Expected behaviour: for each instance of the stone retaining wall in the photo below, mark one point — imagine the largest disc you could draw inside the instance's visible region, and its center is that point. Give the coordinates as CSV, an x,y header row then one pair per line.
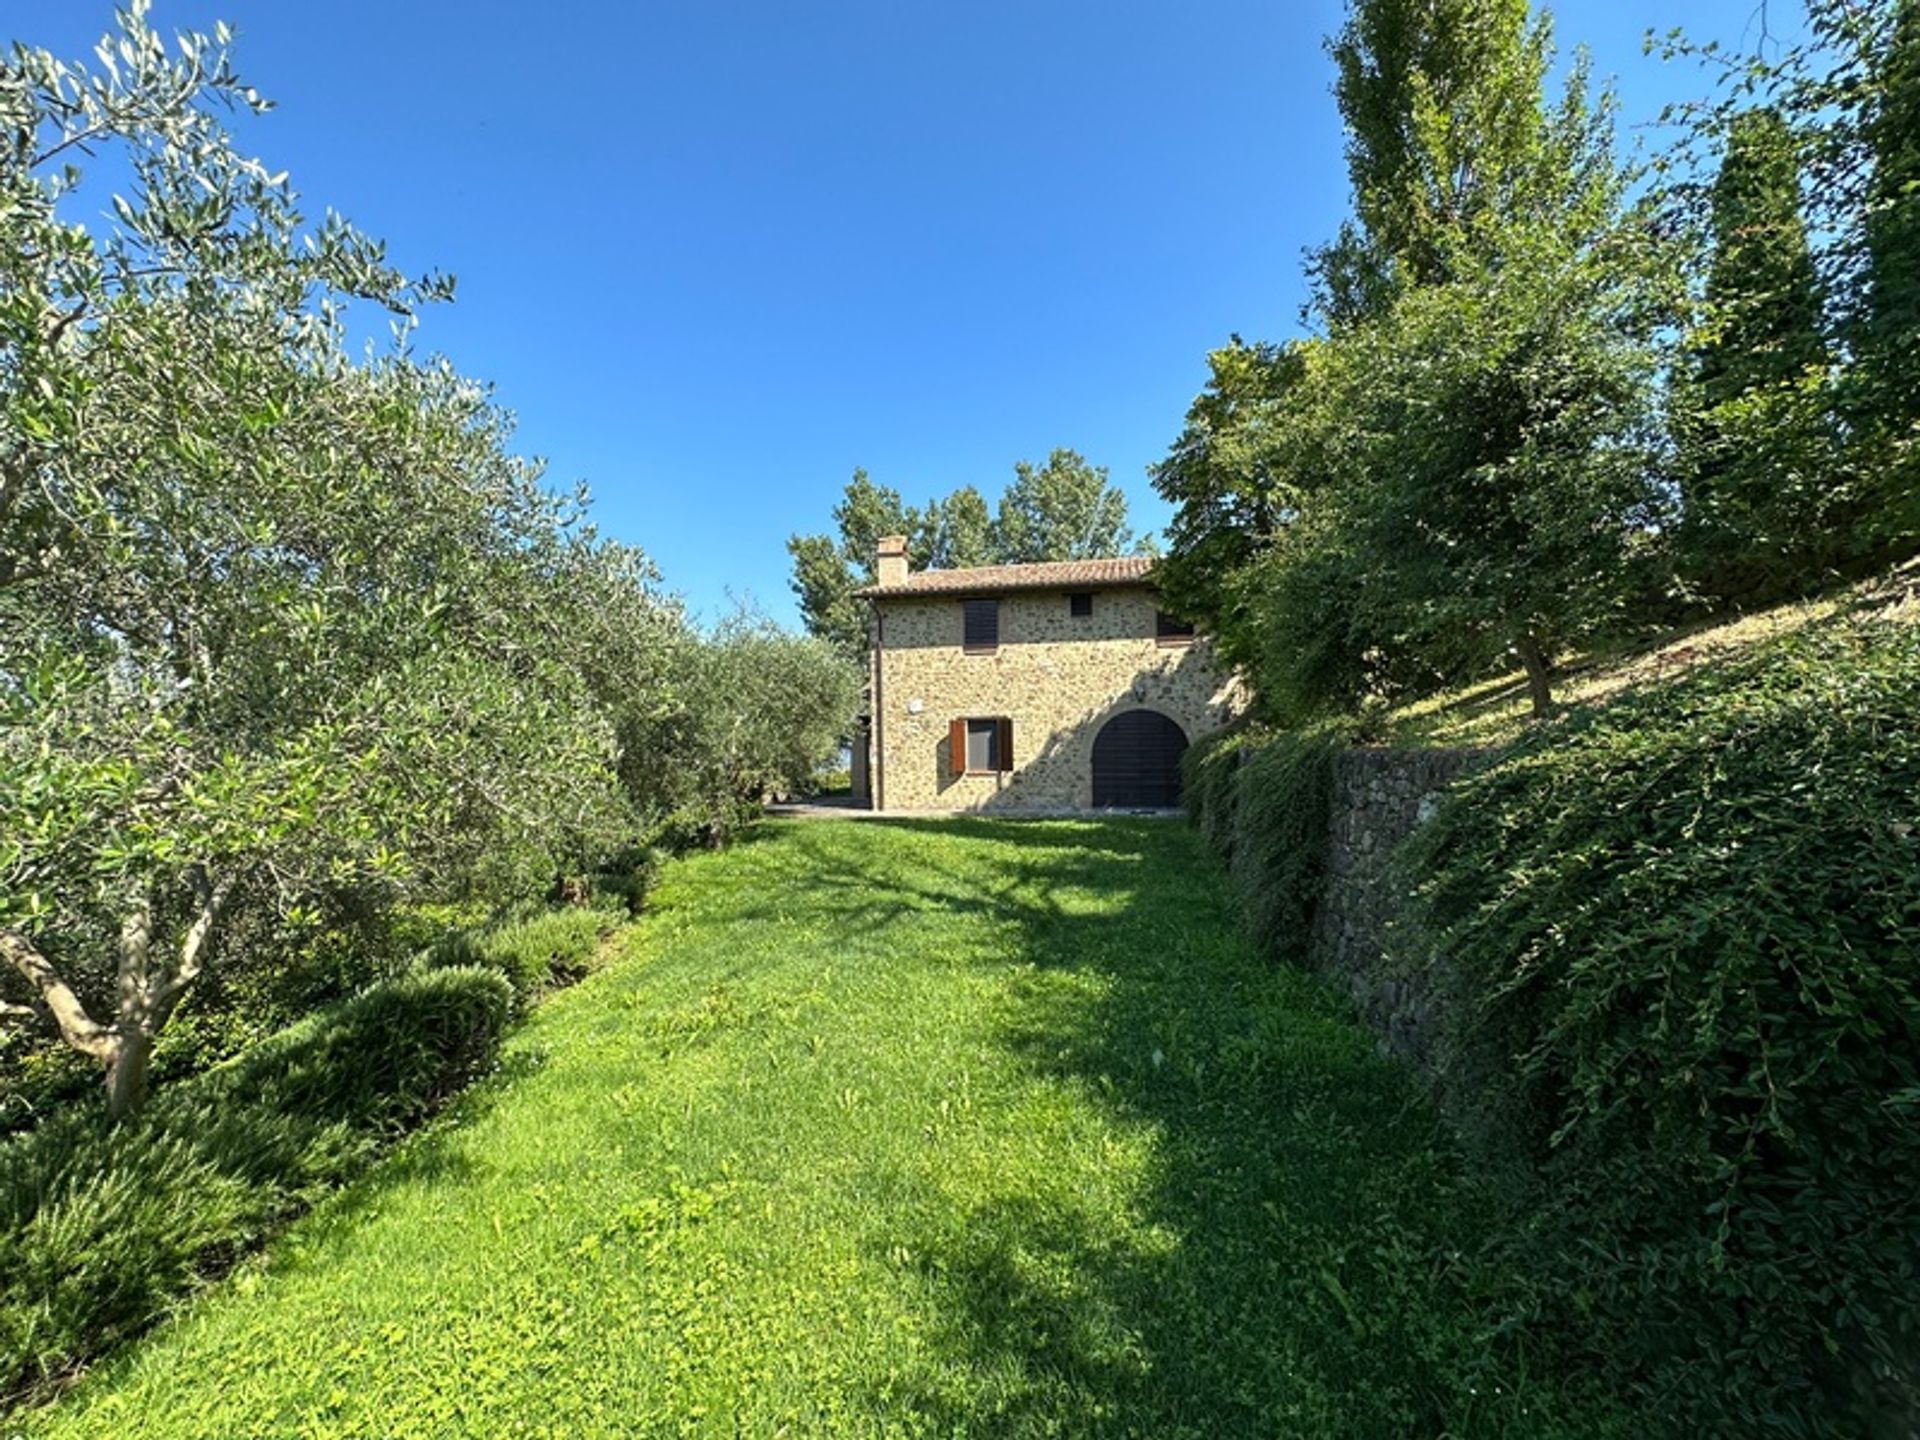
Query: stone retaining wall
x,y
1379,797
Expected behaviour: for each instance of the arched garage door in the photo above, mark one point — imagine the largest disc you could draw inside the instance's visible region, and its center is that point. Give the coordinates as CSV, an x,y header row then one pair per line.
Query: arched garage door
x,y
1136,760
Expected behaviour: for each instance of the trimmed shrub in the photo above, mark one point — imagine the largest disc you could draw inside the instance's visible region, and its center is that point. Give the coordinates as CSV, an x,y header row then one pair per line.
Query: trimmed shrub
x,y
103,1227
536,952
630,877
1683,939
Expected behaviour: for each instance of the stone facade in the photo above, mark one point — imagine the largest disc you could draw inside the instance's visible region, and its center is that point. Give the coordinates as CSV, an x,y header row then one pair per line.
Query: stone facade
x,y
1057,676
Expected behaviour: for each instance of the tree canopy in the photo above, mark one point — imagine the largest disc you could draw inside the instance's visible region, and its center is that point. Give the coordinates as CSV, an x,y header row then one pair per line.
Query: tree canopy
x,y
1063,509
283,635
1456,471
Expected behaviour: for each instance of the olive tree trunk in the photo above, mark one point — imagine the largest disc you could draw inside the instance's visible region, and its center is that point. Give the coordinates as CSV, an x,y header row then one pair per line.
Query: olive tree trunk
x,y
149,991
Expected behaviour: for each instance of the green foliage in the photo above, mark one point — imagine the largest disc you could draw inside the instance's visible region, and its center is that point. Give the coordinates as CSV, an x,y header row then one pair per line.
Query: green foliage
x,y
282,635
895,1129
1062,510
1761,291
1487,478
1888,334
1229,486
1447,138
754,712
104,1227
1208,785
1681,940
1766,507
289,640
827,569
1465,469
1263,801
536,952
1847,92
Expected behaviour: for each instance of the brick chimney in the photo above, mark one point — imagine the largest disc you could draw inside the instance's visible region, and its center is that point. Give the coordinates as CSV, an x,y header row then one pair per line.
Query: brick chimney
x,y
890,560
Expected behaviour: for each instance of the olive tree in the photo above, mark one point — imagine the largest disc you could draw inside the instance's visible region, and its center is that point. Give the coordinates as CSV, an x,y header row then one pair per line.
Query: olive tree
x,y
275,627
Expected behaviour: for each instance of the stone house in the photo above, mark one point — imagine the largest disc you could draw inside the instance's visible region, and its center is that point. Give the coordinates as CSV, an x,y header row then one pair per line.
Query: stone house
x,y
1043,688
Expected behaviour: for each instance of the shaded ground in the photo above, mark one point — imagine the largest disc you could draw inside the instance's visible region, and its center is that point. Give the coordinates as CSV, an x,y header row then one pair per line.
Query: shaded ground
x,y
958,1128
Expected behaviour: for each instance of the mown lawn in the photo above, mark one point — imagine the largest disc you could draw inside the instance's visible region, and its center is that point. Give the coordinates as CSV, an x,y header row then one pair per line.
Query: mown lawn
x,y
956,1129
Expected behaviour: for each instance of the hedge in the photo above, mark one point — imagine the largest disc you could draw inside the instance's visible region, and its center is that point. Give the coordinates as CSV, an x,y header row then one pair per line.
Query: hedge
x,y
103,1227
1683,936
1262,800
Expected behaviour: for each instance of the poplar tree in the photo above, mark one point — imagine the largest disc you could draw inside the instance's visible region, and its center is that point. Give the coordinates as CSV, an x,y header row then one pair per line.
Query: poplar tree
x,y
1064,509
1447,131
1061,510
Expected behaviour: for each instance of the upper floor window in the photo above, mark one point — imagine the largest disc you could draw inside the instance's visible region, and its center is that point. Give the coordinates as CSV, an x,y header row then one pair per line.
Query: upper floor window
x,y
981,627
1169,631
1080,606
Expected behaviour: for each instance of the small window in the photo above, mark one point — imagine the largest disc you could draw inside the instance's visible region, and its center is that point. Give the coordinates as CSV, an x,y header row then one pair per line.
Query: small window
x,y
981,745
1169,631
1080,606
981,633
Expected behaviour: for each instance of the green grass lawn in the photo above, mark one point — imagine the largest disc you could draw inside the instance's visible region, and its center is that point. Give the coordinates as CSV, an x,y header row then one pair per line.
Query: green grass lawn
x,y
949,1129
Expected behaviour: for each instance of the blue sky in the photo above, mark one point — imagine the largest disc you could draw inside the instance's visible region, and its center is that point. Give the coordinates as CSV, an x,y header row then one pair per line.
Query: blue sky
x,y
717,253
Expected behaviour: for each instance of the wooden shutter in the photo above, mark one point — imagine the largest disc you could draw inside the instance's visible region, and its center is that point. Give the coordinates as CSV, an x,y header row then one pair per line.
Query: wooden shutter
x,y
957,746
1006,742
980,631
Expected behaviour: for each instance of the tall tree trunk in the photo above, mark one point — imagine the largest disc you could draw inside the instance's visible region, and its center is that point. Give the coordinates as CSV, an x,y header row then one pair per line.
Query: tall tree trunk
x,y
1539,675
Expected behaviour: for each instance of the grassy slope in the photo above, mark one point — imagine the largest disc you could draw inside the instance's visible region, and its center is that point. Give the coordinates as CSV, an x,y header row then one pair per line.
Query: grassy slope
x,y
1492,711
950,1129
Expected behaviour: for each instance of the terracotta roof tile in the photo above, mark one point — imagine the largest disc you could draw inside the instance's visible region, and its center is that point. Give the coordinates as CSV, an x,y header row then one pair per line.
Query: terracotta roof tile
x,y
998,579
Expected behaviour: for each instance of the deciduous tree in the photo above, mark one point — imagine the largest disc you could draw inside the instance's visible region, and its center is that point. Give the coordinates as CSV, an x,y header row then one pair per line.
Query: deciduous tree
x,y
1064,509
1061,510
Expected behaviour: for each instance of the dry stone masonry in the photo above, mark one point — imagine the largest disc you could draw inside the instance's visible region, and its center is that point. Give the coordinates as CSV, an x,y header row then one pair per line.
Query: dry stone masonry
x,y
1379,796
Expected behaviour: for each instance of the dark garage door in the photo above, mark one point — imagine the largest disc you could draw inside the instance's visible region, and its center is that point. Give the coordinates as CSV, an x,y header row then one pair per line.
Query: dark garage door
x,y
1136,760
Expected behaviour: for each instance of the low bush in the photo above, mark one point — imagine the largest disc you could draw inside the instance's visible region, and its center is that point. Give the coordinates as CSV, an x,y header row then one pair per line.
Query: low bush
x,y
535,951
103,1227
1262,800
1682,933
1207,784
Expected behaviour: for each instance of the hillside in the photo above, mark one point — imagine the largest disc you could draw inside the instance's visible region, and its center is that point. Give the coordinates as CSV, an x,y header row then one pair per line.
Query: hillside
x,y
1492,711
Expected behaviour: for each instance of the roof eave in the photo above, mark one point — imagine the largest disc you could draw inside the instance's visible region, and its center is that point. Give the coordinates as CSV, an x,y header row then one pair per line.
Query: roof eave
x,y
1003,587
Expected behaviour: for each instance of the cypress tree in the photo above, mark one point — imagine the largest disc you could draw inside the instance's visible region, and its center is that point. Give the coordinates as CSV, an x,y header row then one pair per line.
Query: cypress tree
x,y
1762,294
1765,509
1887,408
1892,326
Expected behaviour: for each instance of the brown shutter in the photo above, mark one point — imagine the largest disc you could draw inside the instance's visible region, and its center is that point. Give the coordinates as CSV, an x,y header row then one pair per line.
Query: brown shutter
x,y
1006,742
957,747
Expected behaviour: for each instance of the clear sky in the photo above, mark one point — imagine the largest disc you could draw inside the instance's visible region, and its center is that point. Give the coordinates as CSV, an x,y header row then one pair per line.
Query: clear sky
x,y
717,253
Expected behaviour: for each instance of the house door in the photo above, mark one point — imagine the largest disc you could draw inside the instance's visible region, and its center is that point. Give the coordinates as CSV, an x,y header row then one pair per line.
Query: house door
x,y
1136,761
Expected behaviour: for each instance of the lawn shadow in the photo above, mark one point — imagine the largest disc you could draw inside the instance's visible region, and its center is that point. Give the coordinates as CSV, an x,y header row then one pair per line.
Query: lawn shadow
x,y
1295,1277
